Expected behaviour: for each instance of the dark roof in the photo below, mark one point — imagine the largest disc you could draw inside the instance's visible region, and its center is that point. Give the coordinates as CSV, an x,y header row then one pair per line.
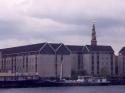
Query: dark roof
x,y
62,49
43,48
99,48
75,48
47,50
54,45
122,50
26,48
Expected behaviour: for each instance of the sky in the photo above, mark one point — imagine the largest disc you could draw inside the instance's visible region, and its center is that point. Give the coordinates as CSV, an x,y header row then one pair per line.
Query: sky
x,y
25,22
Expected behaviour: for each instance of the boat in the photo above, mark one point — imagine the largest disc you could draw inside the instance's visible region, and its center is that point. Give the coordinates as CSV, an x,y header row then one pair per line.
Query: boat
x,y
81,81
49,83
93,81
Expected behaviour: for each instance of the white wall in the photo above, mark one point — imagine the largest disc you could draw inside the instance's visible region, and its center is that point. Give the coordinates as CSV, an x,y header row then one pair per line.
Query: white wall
x,y
19,64
87,63
46,65
74,62
0,61
104,63
31,63
120,65
66,61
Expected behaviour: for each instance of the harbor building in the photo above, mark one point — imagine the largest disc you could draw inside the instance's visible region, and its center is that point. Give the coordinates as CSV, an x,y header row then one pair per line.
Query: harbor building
x,y
56,60
121,62
63,60
99,60
76,60
41,59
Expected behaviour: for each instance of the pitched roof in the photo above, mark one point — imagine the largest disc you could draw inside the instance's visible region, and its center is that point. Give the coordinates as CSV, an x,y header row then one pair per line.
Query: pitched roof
x,y
99,48
75,48
60,48
43,48
55,45
47,49
26,48
122,50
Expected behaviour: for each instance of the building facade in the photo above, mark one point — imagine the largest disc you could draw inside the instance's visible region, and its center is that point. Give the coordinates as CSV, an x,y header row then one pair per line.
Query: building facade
x,y
40,59
121,62
99,60
76,60
56,60
63,60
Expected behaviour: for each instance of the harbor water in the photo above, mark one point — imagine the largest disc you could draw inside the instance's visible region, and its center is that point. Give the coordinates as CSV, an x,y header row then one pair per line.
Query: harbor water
x,y
83,89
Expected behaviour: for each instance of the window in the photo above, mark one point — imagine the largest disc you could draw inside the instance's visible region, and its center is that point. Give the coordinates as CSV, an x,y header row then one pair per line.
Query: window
x,y
123,64
27,63
78,61
92,66
111,64
98,64
35,63
23,61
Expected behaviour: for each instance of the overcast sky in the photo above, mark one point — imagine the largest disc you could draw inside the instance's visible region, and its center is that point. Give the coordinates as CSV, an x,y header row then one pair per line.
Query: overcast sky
x,y
25,22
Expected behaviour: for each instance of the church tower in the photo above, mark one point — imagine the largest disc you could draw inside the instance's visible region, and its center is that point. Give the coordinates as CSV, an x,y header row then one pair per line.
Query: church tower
x,y
93,41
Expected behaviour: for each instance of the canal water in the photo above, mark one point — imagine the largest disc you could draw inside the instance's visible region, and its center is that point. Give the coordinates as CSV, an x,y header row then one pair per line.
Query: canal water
x,y
83,89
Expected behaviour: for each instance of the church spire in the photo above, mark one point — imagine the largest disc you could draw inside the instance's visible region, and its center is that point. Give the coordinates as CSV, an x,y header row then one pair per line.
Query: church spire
x,y
93,41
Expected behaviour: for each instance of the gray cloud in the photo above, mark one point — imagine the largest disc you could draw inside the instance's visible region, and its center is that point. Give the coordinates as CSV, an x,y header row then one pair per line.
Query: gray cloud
x,y
67,21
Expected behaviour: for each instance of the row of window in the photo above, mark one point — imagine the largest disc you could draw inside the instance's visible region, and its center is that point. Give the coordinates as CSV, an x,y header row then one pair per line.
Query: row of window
x,y
19,64
98,61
